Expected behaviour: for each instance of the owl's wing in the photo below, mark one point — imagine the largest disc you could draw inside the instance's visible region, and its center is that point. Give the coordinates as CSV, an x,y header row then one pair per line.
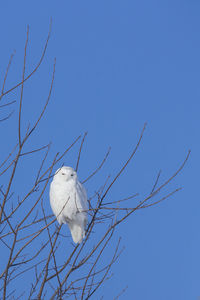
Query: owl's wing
x,y
54,203
82,201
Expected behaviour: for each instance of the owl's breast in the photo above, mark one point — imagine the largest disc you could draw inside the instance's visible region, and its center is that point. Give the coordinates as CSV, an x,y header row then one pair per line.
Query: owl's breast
x,y
62,199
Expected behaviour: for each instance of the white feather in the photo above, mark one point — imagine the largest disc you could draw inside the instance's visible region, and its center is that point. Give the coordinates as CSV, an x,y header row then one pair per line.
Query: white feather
x,y
68,200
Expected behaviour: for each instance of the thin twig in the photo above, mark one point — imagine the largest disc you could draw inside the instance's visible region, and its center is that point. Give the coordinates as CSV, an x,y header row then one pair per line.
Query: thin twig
x,y
98,168
35,69
22,87
79,154
6,74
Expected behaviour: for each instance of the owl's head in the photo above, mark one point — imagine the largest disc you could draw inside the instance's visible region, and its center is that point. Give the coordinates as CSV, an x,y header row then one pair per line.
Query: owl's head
x,y
65,174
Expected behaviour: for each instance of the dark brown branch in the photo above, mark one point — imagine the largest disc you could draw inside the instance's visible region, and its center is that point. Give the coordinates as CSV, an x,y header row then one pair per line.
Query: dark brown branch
x,y
7,117
5,77
41,179
36,150
94,264
156,182
8,156
162,199
7,104
22,88
36,68
8,266
108,269
126,164
79,154
98,168
52,251
45,106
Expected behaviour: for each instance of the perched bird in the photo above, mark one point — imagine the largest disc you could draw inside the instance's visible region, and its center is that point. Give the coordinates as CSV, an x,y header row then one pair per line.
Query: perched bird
x,y
68,200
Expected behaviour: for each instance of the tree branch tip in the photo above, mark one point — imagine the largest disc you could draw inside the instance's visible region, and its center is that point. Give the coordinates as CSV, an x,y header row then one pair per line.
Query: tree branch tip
x,y
187,156
51,21
109,149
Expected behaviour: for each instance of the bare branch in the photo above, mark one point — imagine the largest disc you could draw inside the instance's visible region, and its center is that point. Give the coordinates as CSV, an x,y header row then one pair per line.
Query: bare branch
x,y
7,117
36,150
45,106
100,166
35,69
5,77
79,154
7,104
22,88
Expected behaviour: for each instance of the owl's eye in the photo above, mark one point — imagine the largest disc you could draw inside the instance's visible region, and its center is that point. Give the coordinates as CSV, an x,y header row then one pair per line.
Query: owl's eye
x,y
63,173
72,175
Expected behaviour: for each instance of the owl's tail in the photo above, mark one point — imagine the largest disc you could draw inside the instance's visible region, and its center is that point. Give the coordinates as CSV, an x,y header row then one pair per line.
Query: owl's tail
x,y
77,232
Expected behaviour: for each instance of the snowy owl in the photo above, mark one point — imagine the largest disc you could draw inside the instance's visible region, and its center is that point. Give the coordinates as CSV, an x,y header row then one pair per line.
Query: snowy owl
x,y
68,200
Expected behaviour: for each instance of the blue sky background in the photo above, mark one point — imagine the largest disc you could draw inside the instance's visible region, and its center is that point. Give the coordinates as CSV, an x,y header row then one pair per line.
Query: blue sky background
x,y
120,64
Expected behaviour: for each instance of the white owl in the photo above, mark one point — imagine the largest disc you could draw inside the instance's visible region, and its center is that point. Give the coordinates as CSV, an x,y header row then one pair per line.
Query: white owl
x,y
68,200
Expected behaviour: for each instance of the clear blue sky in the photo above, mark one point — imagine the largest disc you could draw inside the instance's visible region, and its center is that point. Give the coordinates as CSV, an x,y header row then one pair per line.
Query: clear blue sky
x,y
120,64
